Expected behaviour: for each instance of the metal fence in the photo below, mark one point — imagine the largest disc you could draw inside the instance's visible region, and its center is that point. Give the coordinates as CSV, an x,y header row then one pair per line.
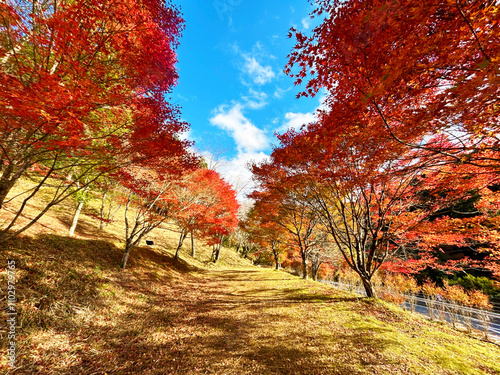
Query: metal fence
x,y
471,318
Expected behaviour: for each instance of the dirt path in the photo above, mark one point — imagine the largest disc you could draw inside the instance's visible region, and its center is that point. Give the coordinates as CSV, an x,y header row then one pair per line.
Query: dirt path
x,y
263,322
254,322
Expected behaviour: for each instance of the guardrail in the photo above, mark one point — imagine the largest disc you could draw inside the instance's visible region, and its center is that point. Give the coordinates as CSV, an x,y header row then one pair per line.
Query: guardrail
x,y
483,320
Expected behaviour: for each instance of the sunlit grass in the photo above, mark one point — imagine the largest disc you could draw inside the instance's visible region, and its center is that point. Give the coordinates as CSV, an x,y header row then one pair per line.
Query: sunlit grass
x,y
80,314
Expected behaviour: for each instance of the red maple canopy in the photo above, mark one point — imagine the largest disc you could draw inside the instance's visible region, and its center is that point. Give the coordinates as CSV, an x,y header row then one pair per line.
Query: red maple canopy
x,y
415,68
83,87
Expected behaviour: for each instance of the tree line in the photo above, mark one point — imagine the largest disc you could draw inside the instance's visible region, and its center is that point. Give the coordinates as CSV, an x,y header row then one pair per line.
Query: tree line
x,y
83,108
403,159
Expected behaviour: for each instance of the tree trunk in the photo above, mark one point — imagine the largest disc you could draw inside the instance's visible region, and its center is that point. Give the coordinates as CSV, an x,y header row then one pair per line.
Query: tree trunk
x,y
193,251
75,219
304,265
5,188
9,177
181,241
128,247
103,202
216,250
314,271
81,202
367,284
315,265
276,260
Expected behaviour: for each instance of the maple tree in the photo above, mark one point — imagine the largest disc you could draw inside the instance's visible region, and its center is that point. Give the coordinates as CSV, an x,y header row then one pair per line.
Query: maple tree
x,y
189,194
285,205
357,189
207,206
147,194
143,213
411,91
83,93
82,197
466,213
221,215
275,226
323,252
372,200
264,231
426,72
108,190
196,199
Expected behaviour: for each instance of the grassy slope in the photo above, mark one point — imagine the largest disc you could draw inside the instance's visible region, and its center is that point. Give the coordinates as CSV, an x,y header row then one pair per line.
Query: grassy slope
x,y
80,314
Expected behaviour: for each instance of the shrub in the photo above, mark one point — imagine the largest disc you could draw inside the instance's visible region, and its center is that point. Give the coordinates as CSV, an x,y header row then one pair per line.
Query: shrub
x,y
482,283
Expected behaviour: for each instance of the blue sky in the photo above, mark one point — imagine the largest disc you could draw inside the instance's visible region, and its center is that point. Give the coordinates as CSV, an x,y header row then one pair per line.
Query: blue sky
x,y
232,89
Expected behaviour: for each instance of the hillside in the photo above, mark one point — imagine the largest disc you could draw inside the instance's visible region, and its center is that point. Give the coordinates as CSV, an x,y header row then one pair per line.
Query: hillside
x,y
78,313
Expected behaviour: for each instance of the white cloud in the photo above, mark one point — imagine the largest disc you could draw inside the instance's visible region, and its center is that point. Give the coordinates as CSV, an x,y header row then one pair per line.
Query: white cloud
x,y
279,92
259,74
252,65
306,22
296,120
186,136
236,172
247,136
250,142
255,99
323,95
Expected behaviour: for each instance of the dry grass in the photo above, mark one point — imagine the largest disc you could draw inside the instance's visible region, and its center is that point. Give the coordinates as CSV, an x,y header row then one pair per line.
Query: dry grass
x,y
79,314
